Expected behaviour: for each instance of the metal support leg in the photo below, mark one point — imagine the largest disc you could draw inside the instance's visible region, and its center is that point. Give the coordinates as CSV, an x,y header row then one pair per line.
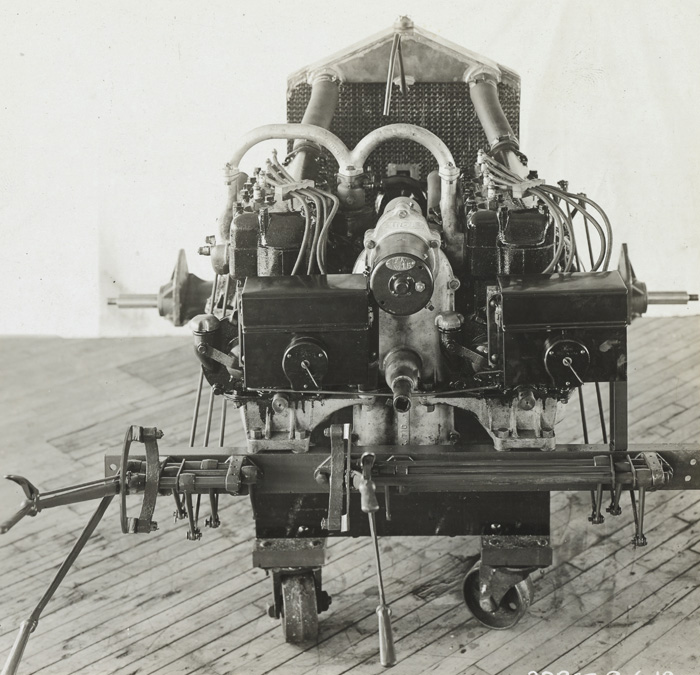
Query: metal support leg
x,y
28,626
618,416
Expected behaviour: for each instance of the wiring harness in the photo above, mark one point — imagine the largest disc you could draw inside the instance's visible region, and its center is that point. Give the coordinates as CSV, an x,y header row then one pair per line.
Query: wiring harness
x,y
563,207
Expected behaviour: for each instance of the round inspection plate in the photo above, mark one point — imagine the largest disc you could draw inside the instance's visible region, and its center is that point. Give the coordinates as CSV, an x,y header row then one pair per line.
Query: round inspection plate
x,y
401,283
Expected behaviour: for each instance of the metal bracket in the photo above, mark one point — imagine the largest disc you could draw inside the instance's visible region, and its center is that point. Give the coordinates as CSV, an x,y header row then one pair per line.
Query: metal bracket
x,y
335,484
149,437
232,481
653,462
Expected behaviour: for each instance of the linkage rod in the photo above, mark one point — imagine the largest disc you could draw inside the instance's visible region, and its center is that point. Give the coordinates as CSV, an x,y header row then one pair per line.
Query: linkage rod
x,y
28,626
197,400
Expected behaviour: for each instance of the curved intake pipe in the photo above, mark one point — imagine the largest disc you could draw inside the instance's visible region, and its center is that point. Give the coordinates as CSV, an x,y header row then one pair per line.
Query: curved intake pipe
x,y
319,112
351,163
483,90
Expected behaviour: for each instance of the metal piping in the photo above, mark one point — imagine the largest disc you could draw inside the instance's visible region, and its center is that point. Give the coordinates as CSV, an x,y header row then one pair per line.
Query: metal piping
x,y
351,163
307,132
406,131
319,112
499,133
483,90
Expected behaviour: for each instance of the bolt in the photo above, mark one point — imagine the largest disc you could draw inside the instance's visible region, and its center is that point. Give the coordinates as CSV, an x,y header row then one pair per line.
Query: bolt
x,y
493,358
279,403
403,214
434,243
526,399
204,250
211,239
202,348
370,243
454,284
420,286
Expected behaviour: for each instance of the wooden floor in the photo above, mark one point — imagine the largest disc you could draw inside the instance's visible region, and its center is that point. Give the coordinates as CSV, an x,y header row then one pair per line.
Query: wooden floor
x,y
161,604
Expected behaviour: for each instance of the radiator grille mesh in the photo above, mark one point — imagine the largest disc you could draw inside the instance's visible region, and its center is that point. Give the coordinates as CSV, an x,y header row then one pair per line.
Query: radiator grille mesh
x,y
441,107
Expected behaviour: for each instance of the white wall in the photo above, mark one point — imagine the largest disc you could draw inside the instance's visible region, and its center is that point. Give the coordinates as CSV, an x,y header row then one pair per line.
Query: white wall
x,y
117,119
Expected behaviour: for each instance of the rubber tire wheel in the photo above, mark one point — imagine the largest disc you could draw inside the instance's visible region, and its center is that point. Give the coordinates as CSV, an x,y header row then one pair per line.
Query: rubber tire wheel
x,y
299,609
511,609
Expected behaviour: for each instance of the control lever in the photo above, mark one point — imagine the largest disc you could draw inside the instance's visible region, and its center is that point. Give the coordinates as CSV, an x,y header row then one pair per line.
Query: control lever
x,y
370,505
37,501
568,362
29,626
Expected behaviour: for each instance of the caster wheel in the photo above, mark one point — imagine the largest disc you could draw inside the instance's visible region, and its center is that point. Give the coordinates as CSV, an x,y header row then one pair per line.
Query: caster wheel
x,y
299,610
511,608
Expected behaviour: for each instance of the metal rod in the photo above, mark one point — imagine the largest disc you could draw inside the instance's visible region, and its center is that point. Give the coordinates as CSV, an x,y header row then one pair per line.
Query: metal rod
x,y
197,400
403,87
584,425
179,512
601,413
387,653
375,542
135,301
588,238
598,517
390,75
225,300
193,533
28,626
640,539
207,421
614,508
670,298
213,521
222,428
214,289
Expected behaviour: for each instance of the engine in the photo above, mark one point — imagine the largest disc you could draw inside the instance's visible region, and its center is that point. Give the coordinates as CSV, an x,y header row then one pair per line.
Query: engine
x,y
401,309
386,287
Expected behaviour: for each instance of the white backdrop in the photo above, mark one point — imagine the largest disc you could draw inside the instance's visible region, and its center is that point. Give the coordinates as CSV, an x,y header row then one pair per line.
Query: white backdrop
x,y
117,119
